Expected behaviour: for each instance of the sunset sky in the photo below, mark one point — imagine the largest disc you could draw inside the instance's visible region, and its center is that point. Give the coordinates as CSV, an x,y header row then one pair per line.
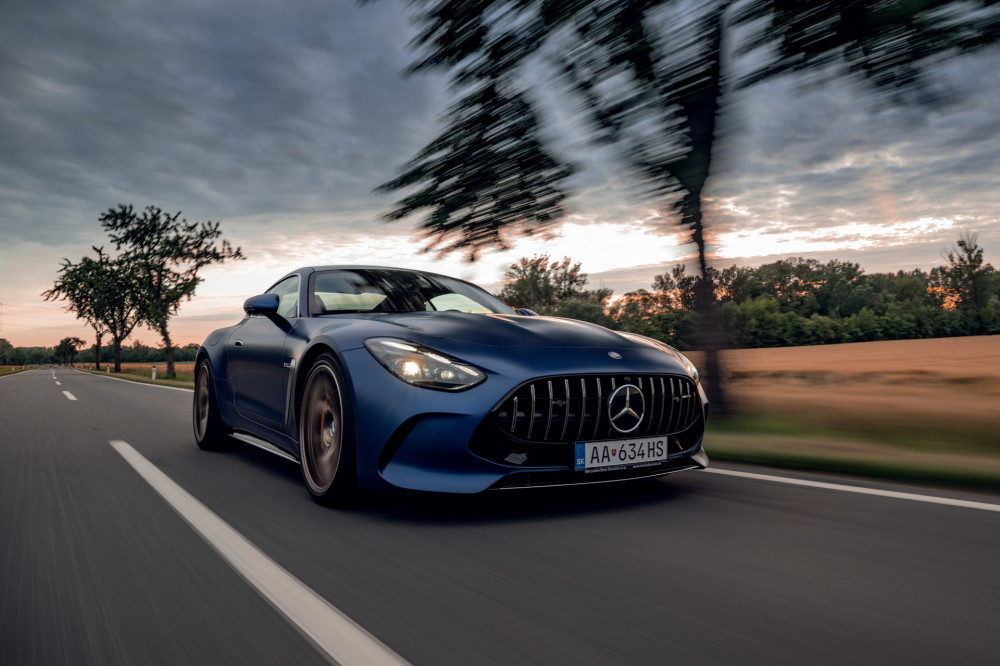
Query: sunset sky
x,y
278,119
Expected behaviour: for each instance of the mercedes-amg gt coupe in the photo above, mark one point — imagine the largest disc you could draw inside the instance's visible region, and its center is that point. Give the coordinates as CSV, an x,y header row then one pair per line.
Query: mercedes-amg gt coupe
x,y
386,378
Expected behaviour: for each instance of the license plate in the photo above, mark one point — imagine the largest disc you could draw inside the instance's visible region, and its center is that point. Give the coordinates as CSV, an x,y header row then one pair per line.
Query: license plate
x,y
620,453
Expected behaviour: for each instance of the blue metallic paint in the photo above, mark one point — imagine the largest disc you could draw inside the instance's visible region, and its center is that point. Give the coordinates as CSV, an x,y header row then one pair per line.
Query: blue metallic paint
x,y
258,383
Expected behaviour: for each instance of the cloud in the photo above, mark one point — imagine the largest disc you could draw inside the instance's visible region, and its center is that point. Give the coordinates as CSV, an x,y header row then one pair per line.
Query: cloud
x,y
221,110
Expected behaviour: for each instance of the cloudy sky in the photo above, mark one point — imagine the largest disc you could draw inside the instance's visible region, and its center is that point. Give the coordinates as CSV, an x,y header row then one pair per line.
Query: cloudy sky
x,y
278,119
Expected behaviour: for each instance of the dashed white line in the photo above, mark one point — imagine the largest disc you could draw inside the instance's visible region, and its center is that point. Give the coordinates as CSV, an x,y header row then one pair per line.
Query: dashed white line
x,y
334,634
69,395
913,497
58,383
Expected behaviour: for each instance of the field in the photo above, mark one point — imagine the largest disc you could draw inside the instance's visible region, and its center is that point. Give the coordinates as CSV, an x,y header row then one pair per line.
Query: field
x,y
925,410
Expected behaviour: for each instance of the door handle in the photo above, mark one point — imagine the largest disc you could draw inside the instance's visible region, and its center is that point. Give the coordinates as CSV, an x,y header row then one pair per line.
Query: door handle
x,y
238,343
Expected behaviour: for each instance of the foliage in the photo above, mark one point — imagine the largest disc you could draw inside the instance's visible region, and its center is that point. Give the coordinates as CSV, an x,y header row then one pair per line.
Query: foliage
x,y
790,302
67,349
6,352
166,252
487,179
104,292
554,288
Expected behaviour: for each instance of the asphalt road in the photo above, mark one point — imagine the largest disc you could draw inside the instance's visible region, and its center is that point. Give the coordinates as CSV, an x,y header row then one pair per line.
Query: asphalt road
x,y
96,568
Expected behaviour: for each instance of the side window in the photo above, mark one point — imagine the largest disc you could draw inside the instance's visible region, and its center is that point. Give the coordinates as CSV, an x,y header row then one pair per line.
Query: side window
x,y
288,296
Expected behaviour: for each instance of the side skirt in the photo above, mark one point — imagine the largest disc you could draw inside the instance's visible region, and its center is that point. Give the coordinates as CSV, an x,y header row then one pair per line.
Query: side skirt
x,y
263,444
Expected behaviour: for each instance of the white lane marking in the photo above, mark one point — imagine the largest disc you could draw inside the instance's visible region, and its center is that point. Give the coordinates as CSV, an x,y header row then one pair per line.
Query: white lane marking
x,y
984,506
334,634
172,388
58,383
69,395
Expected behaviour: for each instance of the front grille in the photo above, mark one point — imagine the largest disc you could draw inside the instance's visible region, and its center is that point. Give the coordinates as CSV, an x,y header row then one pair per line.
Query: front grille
x,y
574,408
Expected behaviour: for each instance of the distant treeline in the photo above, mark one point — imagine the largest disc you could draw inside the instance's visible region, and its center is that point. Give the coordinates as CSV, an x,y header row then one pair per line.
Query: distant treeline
x,y
134,353
790,302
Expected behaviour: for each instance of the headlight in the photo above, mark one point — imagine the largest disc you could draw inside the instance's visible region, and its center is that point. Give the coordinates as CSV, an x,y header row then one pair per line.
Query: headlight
x,y
688,365
422,366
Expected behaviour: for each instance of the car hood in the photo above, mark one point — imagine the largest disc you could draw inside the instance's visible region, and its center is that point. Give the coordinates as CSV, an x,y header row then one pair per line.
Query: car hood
x,y
498,330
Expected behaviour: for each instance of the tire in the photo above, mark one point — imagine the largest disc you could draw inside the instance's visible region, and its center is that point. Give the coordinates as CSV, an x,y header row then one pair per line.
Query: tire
x,y
208,430
326,436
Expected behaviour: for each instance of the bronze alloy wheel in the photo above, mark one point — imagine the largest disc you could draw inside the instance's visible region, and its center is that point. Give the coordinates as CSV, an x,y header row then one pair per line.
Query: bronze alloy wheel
x,y
208,430
325,444
202,401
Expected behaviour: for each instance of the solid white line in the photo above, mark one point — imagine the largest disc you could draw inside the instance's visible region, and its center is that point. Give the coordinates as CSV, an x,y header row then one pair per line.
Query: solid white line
x,y
334,634
69,395
984,506
172,388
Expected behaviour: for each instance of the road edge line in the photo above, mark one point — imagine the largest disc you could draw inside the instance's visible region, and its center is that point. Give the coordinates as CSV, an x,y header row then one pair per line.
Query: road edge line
x,y
132,381
333,633
913,497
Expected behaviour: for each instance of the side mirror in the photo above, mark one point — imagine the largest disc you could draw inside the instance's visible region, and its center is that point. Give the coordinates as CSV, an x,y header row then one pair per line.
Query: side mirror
x,y
265,304
526,312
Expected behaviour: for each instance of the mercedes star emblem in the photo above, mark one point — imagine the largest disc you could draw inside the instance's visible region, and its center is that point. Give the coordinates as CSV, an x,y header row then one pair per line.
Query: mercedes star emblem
x,y
626,407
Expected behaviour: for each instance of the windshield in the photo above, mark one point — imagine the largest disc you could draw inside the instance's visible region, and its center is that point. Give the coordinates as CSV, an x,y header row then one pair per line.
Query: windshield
x,y
380,290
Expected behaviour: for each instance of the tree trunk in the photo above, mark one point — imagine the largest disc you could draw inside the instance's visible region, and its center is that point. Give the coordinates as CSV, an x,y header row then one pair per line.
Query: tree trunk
x,y
168,346
97,347
701,109
118,355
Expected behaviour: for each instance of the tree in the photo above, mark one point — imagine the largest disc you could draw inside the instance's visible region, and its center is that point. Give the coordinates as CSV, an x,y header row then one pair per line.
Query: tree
x,y
537,283
968,278
102,291
67,349
166,253
6,352
652,76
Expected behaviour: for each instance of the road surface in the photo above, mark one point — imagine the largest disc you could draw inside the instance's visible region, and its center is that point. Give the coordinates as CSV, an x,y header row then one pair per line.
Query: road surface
x,y
97,567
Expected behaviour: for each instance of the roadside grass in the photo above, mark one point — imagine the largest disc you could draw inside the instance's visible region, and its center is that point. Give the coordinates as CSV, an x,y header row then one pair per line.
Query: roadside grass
x,y
13,369
912,451
142,372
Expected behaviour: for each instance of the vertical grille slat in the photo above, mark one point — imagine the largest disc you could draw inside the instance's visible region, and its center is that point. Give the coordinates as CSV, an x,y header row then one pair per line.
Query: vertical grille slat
x,y
663,405
531,419
562,435
573,412
548,419
597,410
673,405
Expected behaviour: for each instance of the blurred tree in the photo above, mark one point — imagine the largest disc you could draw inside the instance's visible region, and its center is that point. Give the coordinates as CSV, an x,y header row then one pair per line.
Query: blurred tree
x,y
651,75
103,292
166,252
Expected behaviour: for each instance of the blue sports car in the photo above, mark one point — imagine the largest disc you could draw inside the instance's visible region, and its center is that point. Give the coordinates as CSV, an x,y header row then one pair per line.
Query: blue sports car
x,y
385,378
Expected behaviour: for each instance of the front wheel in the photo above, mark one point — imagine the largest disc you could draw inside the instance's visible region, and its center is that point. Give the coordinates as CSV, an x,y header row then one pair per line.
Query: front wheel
x,y
326,438
208,430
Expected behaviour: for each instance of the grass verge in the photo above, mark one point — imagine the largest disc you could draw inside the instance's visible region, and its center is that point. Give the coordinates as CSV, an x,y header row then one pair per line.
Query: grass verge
x,y
182,380
806,446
